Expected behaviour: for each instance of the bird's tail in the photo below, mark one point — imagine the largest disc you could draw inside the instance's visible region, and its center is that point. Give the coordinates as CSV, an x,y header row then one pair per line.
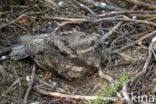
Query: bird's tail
x,y
15,52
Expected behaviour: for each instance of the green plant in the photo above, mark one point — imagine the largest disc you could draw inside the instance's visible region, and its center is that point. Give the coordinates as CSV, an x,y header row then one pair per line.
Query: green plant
x,y
108,90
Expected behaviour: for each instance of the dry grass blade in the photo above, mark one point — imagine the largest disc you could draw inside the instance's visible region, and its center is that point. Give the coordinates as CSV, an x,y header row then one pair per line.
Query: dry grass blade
x,y
141,3
126,20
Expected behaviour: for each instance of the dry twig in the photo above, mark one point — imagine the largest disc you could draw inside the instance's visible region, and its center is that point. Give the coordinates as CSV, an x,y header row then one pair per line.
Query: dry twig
x,y
148,60
77,20
63,24
112,13
78,97
141,3
110,80
13,21
30,85
105,77
84,7
135,42
21,16
126,20
95,20
125,94
110,32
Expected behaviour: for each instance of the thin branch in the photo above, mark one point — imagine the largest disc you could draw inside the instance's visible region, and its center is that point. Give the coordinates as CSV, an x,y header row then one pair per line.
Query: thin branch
x,y
110,32
103,5
110,80
78,97
13,21
95,20
30,85
84,7
78,20
148,60
52,86
141,3
6,92
125,94
126,20
105,77
21,16
125,12
63,24
135,42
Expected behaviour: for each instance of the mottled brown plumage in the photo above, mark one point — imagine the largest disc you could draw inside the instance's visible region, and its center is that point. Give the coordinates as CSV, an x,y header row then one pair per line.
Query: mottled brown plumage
x,y
71,54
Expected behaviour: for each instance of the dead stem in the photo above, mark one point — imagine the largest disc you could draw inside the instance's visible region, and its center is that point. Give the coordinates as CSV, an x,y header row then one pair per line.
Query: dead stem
x,y
77,97
84,7
30,85
141,3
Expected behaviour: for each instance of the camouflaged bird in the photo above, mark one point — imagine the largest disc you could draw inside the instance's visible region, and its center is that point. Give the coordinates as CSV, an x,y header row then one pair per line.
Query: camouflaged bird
x,y
71,54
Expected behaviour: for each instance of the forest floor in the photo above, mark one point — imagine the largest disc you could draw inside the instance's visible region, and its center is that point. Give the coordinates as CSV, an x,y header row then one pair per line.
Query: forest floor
x,y
127,29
